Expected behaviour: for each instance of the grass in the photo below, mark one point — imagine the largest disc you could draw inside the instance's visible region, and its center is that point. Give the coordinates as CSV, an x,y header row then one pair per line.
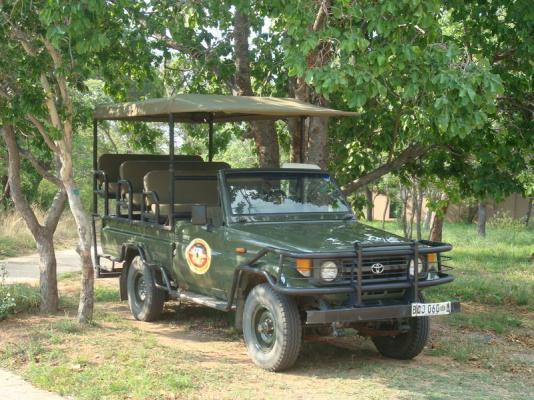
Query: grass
x,y
95,362
485,352
127,360
494,270
17,298
16,239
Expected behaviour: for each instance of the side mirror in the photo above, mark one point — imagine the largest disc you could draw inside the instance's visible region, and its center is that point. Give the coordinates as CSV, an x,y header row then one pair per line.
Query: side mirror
x,y
199,214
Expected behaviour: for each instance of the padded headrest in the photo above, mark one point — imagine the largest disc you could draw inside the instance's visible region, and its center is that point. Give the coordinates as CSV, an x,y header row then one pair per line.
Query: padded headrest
x,y
110,163
134,171
197,186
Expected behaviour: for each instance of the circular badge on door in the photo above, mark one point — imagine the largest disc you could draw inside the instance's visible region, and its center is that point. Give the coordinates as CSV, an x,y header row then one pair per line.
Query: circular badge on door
x,y
198,256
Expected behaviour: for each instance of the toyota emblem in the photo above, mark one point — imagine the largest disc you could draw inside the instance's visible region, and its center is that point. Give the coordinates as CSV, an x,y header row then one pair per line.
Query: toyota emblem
x,y
377,268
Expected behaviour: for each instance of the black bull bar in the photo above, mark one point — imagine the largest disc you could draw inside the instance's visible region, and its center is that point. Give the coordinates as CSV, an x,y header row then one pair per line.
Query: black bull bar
x,y
359,311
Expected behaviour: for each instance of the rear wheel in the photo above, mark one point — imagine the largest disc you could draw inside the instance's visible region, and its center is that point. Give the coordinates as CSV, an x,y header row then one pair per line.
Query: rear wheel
x,y
271,328
144,298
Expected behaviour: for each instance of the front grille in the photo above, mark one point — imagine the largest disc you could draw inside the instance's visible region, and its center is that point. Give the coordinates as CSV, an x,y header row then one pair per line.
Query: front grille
x,y
395,268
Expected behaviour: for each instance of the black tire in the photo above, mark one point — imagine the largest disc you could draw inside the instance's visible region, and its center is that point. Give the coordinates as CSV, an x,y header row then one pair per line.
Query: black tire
x,y
406,345
144,298
271,328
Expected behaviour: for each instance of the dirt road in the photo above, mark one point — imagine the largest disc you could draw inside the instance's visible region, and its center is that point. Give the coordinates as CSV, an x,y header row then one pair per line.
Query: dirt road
x,y
26,268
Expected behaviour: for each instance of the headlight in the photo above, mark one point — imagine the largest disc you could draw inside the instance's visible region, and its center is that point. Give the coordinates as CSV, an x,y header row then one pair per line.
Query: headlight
x,y
412,268
426,263
328,271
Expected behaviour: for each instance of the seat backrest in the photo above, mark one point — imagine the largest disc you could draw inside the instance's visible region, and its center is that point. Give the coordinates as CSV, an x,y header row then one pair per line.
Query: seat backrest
x,y
110,163
134,171
190,187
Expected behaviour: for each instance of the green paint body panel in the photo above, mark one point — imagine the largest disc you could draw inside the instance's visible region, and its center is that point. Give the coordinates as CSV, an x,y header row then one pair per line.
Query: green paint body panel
x,y
297,236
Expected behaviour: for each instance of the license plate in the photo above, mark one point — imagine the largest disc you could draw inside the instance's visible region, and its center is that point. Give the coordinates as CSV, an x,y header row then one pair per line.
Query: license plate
x,y
427,309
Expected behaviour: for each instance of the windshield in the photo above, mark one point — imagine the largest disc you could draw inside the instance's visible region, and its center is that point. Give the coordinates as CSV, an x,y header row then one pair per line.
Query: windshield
x,y
284,193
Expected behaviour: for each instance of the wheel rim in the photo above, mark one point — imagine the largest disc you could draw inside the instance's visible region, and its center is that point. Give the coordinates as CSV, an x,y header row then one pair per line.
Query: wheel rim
x,y
264,329
140,288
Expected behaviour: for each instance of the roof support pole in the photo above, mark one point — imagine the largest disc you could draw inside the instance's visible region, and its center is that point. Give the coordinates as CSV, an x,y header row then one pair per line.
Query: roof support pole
x,y
171,170
301,127
95,196
210,138
95,165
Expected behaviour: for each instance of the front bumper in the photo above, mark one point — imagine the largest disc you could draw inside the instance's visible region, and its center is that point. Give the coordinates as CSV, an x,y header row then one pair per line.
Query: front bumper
x,y
364,314
317,291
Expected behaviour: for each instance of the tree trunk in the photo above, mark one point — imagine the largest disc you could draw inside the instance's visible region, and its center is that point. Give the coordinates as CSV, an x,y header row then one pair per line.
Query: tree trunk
x,y
317,143
414,211
369,205
47,272
266,141
419,214
529,211
316,140
404,218
43,235
471,214
86,305
384,213
428,220
264,132
294,126
481,219
436,233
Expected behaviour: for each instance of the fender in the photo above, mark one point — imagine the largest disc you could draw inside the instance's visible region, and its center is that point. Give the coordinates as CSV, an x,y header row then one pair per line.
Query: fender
x,y
128,252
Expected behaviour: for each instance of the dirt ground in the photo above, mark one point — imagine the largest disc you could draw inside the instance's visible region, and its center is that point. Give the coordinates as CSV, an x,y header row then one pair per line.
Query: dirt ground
x,y
201,344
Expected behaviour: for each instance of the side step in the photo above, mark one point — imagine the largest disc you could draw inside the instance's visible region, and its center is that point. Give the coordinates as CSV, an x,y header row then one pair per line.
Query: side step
x,y
107,269
204,300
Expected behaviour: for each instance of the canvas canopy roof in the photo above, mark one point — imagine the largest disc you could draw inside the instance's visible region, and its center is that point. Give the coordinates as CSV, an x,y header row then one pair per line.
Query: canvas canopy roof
x,y
219,108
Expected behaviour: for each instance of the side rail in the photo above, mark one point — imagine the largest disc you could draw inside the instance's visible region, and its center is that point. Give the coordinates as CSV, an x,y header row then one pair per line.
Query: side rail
x,y
353,281
124,201
102,188
146,214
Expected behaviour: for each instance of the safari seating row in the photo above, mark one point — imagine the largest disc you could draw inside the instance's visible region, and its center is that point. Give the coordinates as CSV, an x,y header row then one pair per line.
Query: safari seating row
x,y
108,168
198,186
133,172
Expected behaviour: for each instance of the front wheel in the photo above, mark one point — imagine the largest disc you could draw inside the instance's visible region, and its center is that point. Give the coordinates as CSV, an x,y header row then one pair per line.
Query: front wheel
x,y
271,328
144,298
407,345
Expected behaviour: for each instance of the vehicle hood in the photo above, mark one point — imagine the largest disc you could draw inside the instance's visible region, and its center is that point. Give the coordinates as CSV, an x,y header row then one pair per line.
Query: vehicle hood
x,y
315,236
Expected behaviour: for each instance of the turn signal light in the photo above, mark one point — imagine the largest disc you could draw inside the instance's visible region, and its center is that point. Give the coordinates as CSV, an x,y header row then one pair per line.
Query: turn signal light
x,y
304,266
240,250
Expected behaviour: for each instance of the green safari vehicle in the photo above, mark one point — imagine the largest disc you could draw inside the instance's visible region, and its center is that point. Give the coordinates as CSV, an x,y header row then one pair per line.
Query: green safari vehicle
x,y
279,247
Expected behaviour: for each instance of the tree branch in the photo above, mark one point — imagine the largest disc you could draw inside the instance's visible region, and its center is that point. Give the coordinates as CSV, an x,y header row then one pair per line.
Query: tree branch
x,y
55,210
50,104
320,18
5,193
41,168
62,83
411,153
42,130
242,83
20,37
195,53
21,203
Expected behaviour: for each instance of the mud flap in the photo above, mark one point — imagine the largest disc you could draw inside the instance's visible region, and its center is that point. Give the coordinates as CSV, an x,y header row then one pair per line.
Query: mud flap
x,y
123,283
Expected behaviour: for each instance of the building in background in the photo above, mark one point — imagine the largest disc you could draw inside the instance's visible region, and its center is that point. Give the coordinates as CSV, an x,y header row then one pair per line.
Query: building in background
x,y
515,206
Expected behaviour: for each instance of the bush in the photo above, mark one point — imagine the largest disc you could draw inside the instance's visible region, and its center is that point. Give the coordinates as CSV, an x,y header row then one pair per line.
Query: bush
x,y
17,297
503,219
